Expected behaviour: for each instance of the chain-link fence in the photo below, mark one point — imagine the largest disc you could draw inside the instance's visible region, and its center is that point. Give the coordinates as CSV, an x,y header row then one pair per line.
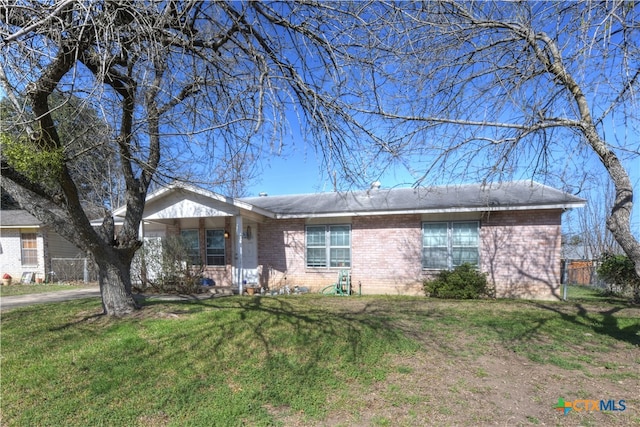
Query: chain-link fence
x,y
585,274
581,273
72,270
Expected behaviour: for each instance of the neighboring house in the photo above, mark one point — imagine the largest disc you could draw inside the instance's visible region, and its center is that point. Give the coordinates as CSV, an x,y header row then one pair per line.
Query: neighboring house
x,y
28,248
389,239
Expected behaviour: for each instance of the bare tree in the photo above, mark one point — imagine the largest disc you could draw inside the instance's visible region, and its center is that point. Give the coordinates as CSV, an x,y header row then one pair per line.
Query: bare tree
x,y
451,90
592,232
498,89
176,82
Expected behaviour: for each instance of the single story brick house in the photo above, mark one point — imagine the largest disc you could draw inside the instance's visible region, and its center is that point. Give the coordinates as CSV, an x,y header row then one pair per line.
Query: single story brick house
x,y
29,249
390,240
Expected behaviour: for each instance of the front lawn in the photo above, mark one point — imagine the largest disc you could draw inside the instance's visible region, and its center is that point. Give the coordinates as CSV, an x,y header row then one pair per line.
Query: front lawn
x,y
26,289
313,360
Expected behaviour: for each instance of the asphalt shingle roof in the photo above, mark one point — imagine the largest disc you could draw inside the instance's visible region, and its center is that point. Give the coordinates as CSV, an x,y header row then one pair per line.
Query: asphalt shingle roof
x,y
467,197
20,217
14,218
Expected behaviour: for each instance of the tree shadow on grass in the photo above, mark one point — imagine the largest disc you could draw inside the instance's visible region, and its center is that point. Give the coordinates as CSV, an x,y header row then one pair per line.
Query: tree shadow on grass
x,y
257,317
280,351
604,322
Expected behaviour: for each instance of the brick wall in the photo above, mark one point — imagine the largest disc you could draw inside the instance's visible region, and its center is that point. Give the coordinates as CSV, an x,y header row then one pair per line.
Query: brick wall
x,y
281,253
386,254
521,253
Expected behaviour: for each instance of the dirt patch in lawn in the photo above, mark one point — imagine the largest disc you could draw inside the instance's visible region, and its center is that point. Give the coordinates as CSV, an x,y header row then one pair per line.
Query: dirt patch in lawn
x,y
462,380
499,388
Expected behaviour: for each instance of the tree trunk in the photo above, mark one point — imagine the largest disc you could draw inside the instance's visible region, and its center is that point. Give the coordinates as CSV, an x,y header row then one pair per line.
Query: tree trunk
x,y
619,221
115,285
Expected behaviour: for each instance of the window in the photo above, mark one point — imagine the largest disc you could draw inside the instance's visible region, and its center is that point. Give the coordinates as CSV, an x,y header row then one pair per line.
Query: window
x,y
215,247
446,245
435,246
464,243
29,247
191,241
328,246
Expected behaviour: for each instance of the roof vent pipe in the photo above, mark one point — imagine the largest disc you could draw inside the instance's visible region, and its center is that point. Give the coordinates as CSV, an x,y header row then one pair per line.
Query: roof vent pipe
x,y
262,194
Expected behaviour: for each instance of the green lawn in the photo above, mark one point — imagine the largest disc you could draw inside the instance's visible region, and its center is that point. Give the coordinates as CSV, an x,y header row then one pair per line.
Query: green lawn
x,y
311,360
581,293
592,294
20,289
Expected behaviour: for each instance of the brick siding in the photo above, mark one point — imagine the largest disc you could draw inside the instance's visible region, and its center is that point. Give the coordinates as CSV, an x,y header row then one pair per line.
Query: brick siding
x,y
519,250
387,254
521,253
281,253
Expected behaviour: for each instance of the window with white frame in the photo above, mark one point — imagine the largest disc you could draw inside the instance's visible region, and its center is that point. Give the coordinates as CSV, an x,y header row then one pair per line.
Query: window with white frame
x,y
328,245
29,248
446,245
215,247
191,241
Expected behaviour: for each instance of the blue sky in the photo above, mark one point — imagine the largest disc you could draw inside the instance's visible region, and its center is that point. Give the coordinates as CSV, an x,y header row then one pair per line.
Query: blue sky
x,y
300,172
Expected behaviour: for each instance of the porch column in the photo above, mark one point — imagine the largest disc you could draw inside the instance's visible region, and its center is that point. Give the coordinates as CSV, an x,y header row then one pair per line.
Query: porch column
x,y
143,261
239,269
141,231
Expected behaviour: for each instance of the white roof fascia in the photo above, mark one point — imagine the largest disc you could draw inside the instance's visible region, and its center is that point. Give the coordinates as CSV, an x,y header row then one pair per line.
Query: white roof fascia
x,y
562,206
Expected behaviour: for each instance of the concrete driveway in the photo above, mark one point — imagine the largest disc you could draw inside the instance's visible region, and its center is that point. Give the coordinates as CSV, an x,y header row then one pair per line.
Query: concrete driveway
x,y
7,303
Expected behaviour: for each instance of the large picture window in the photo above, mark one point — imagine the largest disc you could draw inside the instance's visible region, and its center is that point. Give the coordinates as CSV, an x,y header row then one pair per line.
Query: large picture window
x,y
29,248
328,246
446,245
215,247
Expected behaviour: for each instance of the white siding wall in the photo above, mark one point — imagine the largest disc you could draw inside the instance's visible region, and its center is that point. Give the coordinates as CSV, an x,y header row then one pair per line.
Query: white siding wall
x,y
61,248
11,253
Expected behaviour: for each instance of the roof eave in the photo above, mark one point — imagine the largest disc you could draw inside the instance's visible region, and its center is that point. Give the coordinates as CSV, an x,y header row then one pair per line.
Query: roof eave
x,y
561,206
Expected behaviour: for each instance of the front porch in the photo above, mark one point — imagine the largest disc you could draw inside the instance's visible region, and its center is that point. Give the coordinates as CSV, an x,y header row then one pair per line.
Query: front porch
x,y
199,235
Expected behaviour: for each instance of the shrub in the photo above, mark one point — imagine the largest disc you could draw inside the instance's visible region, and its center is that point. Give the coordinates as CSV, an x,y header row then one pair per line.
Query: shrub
x,y
463,282
618,272
166,267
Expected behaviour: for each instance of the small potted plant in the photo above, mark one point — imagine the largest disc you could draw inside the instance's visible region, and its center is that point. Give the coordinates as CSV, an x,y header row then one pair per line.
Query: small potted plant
x,y
6,279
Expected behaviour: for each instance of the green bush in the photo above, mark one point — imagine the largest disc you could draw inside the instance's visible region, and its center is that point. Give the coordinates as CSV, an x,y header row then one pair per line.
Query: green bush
x,y
463,282
174,271
618,272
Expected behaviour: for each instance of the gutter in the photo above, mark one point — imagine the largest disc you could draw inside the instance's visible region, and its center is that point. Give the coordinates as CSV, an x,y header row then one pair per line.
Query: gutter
x,y
563,206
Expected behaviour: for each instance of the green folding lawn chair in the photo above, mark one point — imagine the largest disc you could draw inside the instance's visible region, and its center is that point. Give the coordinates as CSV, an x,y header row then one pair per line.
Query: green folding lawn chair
x,y
341,287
